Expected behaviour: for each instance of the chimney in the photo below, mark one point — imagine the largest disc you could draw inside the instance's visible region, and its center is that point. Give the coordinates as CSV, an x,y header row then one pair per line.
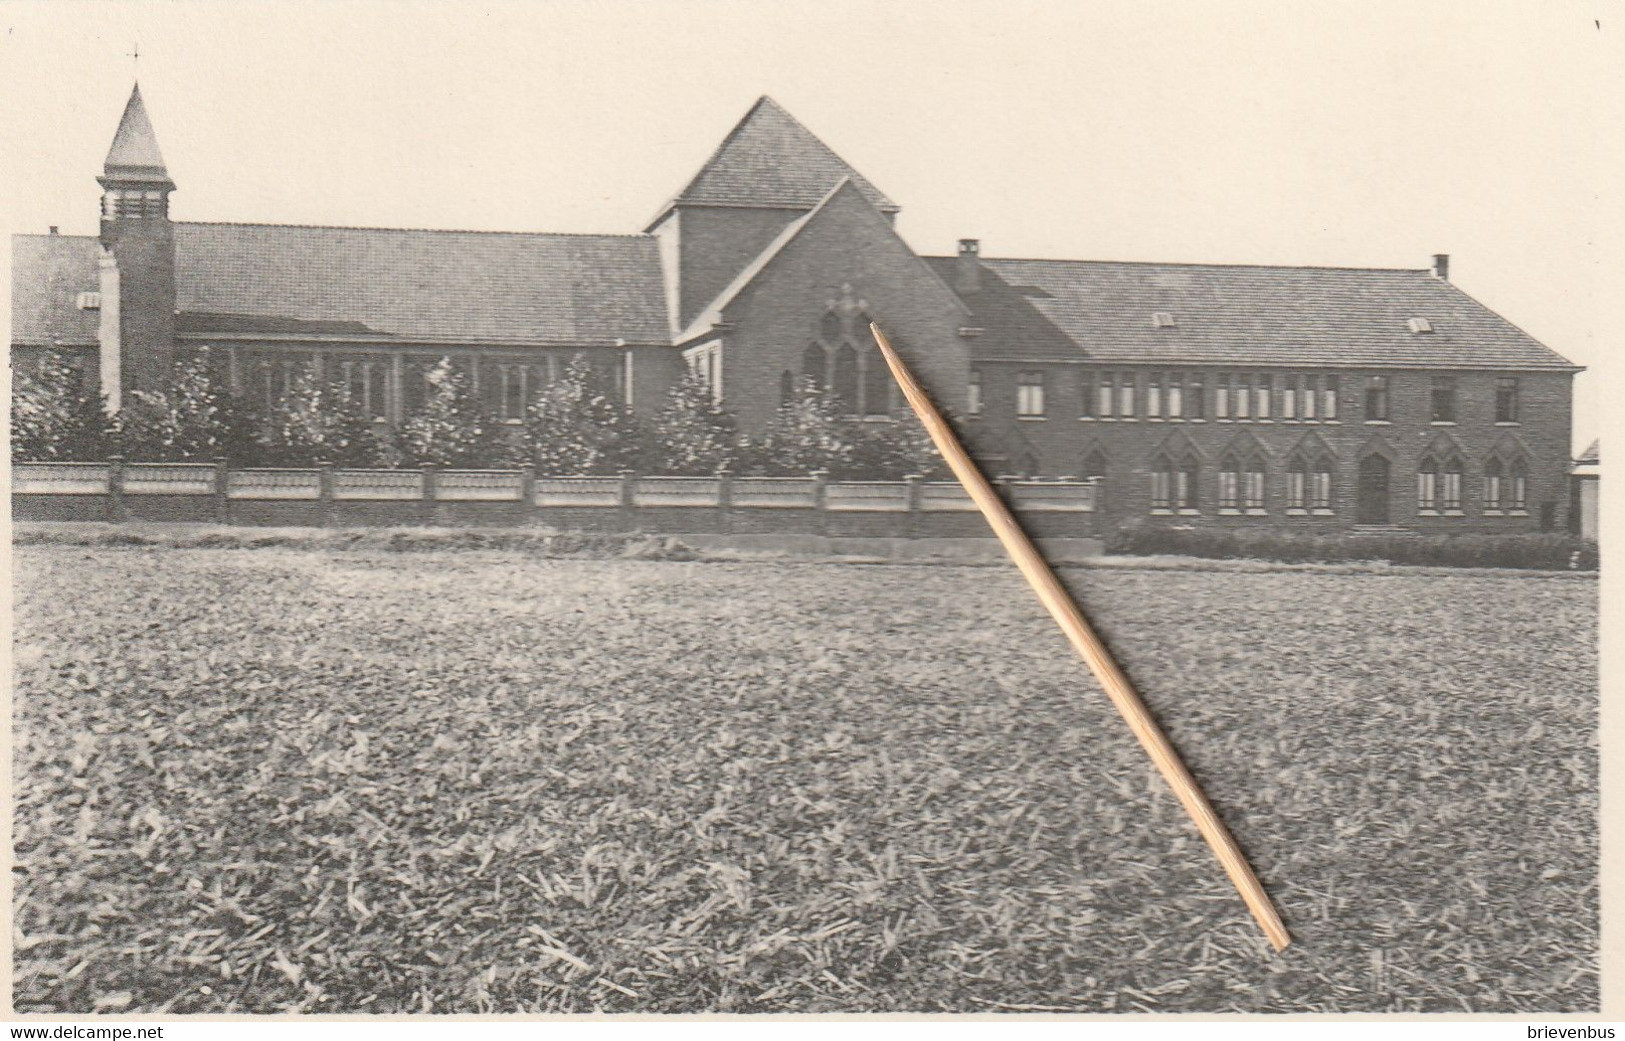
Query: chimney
x,y
968,272
1441,266
55,230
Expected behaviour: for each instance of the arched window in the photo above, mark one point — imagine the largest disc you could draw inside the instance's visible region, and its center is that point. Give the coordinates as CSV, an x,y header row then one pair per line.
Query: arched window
x,y
1427,484
1450,489
1174,482
787,388
815,365
1297,483
1517,493
1494,484
1320,484
1094,464
829,327
845,383
1252,482
877,384
1229,483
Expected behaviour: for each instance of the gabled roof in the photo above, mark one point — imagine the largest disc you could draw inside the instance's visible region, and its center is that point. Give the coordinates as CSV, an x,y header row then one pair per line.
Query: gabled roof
x,y
48,272
1591,456
368,283
713,312
1238,315
134,153
770,159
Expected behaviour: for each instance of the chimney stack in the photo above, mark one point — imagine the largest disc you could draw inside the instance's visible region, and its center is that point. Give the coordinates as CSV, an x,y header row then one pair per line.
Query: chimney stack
x,y
1441,266
968,272
54,230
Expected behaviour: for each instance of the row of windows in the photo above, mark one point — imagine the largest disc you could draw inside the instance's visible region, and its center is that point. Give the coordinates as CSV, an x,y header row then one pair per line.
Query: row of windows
x,y
507,389
1175,484
1235,396
858,380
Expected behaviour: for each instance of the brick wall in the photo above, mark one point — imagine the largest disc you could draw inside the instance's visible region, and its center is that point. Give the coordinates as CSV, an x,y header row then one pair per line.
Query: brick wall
x,y
1061,443
715,243
145,251
848,242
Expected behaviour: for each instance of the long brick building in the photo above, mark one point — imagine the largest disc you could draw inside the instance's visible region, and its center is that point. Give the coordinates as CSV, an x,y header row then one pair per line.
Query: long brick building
x,y
1197,393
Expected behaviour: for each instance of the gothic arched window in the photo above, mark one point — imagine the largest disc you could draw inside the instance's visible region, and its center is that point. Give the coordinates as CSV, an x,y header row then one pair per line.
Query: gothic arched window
x,y
845,382
876,384
829,327
815,365
787,388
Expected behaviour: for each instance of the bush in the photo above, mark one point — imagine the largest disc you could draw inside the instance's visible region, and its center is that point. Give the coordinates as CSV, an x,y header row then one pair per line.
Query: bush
x,y
53,416
580,426
451,430
1544,551
195,421
692,434
322,422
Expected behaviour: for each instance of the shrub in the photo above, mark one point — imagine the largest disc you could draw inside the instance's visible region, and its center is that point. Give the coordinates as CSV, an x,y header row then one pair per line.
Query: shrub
x,y
450,429
196,420
1545,551
323,422
892,451
692,434
53,415
579,425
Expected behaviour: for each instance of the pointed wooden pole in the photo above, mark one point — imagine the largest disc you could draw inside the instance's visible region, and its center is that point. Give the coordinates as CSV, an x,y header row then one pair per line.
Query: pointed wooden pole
x,y
1088,644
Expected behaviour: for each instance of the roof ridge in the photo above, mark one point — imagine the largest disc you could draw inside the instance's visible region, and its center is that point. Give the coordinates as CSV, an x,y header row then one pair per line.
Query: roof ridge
x,y
1200,263
437,231
48,235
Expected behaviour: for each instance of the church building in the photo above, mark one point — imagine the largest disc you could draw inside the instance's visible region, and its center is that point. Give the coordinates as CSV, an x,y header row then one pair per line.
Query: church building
x,y
1298,397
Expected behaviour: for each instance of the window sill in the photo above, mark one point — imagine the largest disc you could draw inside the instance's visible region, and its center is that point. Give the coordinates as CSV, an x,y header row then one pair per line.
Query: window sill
x,y
1256,511
1032,419
878,419
1441,423
1508,423
1494,513
1087,419
1378,423
1229,511
1517,513
1157,511
1190,513
1263,421
1454,513
1196,421
1324,511
1296,511
1427,513
1153,419
513,422
1329,422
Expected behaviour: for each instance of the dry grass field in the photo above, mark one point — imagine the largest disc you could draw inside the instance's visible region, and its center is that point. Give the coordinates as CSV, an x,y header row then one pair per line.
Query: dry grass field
x,y
263,780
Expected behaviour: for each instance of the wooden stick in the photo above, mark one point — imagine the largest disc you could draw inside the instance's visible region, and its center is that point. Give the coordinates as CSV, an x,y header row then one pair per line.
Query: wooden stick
x,y
1089,645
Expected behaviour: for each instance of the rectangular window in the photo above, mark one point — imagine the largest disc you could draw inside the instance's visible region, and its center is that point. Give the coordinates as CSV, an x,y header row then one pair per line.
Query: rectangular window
x,y
1086,395
1198,396
1294,489
1030,394
1289,397
1176,398
1241,399
1105,396
1125,395
513,391
1320,489
1221,396
1229,489
1307,400
1162,494
1253,490
1427,490
1153,396
1444,399
973,393
1451,494
1328,399
1376,398
1261,396
1506,399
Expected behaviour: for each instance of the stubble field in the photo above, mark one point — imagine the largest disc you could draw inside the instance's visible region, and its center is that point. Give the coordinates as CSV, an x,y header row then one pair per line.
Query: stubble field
x,y
486,782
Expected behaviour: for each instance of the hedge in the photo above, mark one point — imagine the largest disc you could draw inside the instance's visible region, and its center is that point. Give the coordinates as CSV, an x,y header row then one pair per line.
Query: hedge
x,y
1542,551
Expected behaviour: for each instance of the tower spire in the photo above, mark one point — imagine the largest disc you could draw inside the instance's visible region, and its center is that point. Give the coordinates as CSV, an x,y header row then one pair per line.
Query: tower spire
x,y
134,156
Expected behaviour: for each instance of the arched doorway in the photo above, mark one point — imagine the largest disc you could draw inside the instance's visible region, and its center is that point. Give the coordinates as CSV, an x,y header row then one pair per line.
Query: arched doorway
x,y
1371,505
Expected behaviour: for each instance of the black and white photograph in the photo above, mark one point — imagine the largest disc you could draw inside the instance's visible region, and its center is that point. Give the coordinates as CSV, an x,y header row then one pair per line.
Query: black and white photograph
x,y
729,508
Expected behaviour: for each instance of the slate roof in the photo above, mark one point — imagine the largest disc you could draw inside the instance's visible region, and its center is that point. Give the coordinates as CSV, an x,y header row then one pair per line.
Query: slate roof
x,y
770,159
1238,315
48,272
440,286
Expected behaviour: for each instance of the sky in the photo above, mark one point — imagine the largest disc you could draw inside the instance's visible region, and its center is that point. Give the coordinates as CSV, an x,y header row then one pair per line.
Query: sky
x,y
1371,134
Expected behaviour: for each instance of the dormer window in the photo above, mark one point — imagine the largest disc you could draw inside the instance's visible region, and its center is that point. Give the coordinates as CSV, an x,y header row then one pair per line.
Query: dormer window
x,y
1420,325
1162,320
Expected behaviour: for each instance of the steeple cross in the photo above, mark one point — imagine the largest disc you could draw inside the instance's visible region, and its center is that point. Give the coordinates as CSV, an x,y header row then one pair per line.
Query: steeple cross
x,y
135,57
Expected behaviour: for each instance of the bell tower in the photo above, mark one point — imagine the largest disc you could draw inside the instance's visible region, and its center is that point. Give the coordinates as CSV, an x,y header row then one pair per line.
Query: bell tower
x,y
137,261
